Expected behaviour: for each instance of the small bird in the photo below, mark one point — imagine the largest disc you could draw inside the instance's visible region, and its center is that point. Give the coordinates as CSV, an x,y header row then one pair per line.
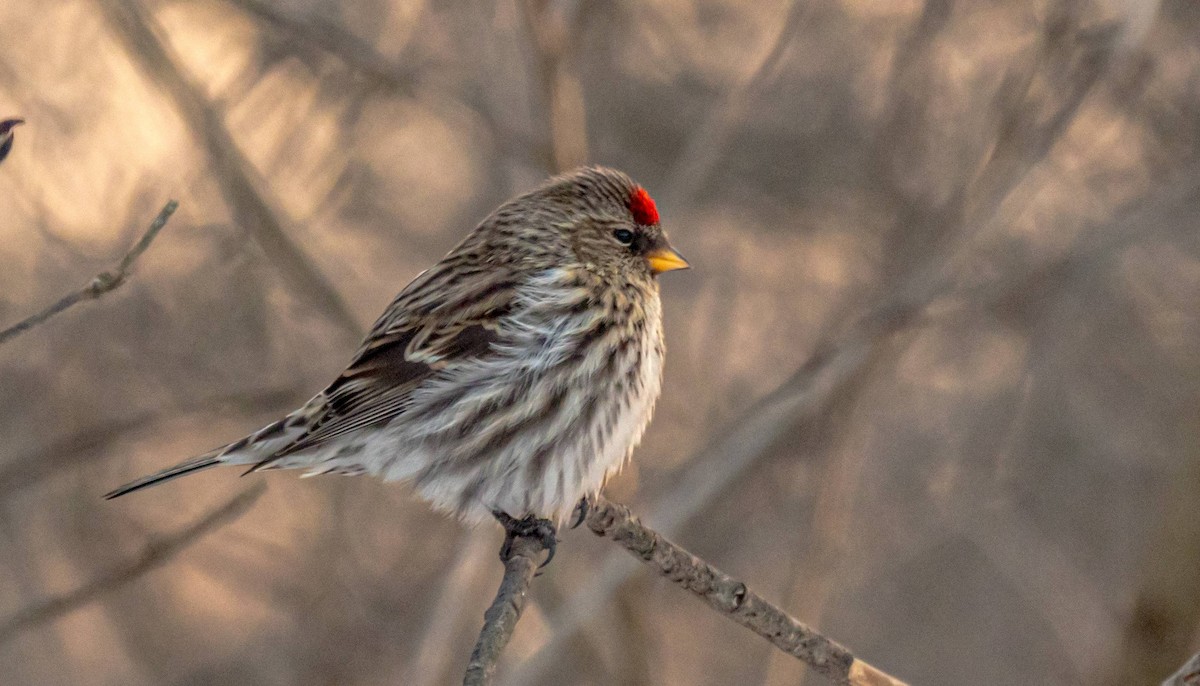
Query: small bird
x,y
6,135
509,380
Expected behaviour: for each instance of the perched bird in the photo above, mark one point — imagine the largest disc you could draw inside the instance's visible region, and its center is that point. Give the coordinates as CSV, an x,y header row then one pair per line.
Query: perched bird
x,y
510,379
6,135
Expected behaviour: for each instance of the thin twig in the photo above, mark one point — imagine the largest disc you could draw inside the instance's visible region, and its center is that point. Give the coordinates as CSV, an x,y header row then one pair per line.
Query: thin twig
x,y
732,598
157,552
336,40
501,618
104,282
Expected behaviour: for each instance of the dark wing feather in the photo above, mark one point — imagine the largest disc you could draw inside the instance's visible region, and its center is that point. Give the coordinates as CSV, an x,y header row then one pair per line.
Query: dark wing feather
x,y
376,387
409,343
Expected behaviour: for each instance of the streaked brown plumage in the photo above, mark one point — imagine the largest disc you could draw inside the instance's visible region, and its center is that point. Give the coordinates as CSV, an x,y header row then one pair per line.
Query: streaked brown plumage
x,y
514,376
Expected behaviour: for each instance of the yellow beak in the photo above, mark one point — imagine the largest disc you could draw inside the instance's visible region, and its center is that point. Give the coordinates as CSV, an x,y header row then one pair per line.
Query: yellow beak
x,y
665,259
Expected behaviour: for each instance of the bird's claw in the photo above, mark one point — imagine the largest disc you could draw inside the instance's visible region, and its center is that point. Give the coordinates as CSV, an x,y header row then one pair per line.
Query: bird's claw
x,y
529,527
581,512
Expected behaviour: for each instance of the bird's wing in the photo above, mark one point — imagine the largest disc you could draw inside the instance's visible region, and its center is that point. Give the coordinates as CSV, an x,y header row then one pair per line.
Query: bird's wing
x,y
440,319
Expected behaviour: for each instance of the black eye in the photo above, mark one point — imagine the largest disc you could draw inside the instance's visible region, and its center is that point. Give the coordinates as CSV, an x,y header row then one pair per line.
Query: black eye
x,y
625,236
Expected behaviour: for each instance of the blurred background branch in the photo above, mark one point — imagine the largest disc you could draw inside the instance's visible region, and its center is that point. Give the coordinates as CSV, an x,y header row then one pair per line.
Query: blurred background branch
x,y
157,552
460,587
706,144
246,193
332,38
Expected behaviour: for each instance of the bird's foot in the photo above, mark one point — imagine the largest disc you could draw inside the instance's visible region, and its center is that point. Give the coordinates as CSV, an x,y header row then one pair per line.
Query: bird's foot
x,y
529,527
581,511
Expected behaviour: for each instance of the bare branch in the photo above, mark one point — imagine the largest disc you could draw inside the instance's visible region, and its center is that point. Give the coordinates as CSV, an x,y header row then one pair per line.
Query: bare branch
x,y
501,618
732,598
244,191
156,553
332,38
1188,675
104,282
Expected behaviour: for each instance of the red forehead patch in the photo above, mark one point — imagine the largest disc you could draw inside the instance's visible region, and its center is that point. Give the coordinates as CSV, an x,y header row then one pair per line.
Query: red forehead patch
x,y
643,208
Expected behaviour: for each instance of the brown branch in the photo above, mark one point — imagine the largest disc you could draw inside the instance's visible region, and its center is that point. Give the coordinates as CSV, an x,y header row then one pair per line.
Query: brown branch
x,y
501,618
243,189
732,598
104,282
1188,675
157,552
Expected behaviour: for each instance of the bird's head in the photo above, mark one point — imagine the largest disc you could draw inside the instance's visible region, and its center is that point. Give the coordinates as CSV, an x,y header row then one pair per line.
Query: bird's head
x,y
605,221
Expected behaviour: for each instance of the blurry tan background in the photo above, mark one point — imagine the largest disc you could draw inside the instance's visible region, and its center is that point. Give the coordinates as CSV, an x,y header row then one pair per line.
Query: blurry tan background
x,y
933,382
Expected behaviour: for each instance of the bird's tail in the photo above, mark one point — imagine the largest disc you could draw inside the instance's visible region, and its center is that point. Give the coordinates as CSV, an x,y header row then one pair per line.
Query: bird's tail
x,y
252,449
193,465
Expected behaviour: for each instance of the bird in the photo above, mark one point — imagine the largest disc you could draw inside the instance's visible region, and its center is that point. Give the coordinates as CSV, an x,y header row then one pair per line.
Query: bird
x,y
511,379
6,135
